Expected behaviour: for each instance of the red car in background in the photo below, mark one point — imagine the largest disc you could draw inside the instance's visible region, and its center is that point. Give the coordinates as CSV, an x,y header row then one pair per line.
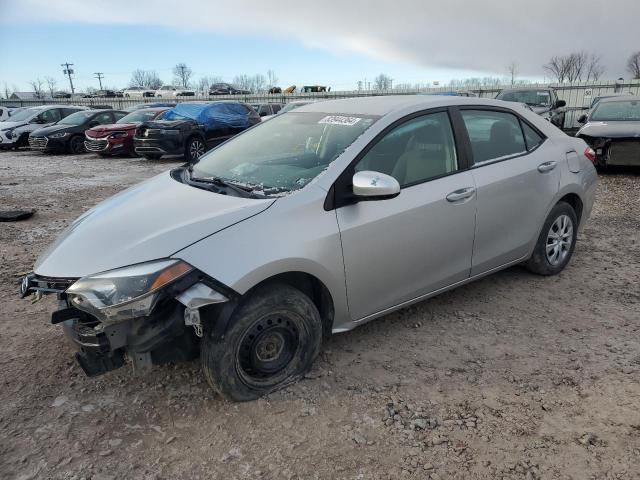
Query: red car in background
x,y
117,138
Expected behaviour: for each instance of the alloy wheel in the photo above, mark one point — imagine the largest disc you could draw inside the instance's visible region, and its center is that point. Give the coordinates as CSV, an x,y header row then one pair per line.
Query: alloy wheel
x,y
559,240
196,149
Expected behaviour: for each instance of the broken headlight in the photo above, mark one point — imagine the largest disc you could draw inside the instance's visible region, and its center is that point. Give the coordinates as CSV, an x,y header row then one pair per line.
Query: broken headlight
x,y
125,293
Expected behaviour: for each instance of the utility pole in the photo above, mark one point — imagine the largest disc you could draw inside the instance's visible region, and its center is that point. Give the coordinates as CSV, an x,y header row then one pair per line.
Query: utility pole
x,y
182,69
68,71
99,76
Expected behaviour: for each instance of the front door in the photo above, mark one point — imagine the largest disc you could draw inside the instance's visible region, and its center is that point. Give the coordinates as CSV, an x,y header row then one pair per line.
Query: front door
x,y
420,241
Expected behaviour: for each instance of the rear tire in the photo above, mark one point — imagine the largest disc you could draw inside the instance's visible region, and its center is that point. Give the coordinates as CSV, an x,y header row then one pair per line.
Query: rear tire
x,y
556,242
273,338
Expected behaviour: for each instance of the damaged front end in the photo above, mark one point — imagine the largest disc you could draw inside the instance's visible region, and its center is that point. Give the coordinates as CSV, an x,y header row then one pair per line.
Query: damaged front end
x,y
615,151
149,313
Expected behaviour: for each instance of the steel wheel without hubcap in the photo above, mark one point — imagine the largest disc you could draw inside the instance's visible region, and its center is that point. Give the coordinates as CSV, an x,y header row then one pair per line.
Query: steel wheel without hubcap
x,y
196,149
559,240
267,348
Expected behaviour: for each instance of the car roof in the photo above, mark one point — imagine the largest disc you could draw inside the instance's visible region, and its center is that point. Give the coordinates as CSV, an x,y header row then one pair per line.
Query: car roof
x,y
385,105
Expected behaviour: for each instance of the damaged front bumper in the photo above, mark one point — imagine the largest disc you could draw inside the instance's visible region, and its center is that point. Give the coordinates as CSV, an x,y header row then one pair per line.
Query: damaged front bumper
x,y
168,334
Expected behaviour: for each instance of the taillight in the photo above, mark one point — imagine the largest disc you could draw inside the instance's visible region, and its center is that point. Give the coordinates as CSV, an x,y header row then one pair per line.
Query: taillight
x,y
590,154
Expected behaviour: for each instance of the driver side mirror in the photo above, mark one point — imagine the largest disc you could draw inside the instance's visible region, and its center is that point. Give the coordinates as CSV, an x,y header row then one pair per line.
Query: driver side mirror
x,y
582,118
368,185
560,103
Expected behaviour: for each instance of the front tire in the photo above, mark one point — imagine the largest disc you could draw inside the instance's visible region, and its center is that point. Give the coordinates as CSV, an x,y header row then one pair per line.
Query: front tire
x,y
76,145
273,338
194,149
556,242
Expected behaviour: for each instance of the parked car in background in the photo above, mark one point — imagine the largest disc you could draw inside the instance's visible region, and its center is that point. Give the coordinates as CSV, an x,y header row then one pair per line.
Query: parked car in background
x,y
61,94
461,93
543,101
227,89
4,113
139,106
290,106
190,129
106,94
14,132
612,129
117,138
138,92
267,109
67,135
318,221
315,89
169,91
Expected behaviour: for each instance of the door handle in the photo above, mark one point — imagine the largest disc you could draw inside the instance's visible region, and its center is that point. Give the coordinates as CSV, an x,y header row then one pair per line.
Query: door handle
x,y
460,194
547,166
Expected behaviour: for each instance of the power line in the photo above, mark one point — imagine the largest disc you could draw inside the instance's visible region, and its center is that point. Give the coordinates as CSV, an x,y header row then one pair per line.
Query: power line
x,y
68,71
99,76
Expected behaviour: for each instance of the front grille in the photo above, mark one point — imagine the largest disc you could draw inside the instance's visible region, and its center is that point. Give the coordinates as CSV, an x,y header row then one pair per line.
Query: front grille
x,y
96,145
38,143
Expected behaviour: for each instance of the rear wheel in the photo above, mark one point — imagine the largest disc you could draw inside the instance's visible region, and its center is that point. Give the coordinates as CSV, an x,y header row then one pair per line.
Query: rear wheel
x,y
556,242
274,337
194,149
76,145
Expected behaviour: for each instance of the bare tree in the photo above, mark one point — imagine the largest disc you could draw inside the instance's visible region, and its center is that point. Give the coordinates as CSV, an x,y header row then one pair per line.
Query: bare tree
x,y
633,65
182,75
37,87
272,78
145,78
382,82
594,69
51,84
255,83
513,69
6,91
557,67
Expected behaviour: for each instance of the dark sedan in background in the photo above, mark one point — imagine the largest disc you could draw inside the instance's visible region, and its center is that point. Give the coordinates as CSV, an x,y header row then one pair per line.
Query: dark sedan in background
x,y
117,138
190,129
612,130
67,135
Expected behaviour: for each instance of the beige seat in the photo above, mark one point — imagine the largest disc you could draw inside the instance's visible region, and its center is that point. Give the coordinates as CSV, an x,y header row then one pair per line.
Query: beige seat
x,y
425,157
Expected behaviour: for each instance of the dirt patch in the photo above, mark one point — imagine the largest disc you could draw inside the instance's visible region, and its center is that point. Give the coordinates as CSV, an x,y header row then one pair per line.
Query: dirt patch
x,y
514,376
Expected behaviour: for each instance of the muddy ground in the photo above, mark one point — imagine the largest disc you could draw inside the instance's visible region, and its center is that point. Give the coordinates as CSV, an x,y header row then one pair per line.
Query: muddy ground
x,y
514,376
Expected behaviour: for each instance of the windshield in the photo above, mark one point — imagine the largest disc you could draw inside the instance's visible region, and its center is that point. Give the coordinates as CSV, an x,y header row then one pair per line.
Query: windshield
x,y
611,111
292,106
534,98
139,116
77,118
24,114
285,153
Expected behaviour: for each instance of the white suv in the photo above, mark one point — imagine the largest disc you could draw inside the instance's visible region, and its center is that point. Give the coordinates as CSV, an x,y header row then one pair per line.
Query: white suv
x,y
138,92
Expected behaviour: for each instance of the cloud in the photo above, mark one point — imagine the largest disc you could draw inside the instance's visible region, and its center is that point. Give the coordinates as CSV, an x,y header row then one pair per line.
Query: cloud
x,y
457,34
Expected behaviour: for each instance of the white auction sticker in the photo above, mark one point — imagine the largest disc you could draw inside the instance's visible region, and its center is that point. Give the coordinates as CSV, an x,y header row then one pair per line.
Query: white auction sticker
x,y
340,120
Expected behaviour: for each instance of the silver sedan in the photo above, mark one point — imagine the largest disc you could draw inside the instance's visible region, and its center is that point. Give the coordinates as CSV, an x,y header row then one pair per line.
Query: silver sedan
x,y
320,220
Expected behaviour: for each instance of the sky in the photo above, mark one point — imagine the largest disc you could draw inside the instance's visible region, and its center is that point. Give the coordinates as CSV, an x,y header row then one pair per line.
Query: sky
x,y
334,43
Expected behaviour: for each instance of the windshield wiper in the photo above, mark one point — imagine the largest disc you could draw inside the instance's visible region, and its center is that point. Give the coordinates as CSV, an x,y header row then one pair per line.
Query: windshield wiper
x,y
240,190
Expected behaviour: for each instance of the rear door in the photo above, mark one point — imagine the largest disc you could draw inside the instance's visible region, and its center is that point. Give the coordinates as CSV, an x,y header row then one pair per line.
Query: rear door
x,y
515,170
399,249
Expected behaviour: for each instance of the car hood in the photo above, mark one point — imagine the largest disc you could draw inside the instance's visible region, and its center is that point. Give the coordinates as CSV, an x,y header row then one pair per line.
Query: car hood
x,y
114,127
7,124
620,129
151,220
43,132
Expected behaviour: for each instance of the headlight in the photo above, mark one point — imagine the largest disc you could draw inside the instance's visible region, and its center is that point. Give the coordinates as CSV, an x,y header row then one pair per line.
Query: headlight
x,y
59,135
169,132
8,133
125,293
118,135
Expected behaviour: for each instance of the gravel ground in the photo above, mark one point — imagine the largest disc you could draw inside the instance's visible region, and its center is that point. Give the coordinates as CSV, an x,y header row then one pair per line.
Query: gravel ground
x,y
514,376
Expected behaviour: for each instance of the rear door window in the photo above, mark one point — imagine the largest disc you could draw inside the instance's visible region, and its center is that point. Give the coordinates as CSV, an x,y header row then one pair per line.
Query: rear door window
x,y
493,135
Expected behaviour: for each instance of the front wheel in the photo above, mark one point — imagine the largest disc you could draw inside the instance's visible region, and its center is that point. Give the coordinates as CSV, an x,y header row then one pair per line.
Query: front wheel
x,y
76,145
273,338
556,242
194,149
